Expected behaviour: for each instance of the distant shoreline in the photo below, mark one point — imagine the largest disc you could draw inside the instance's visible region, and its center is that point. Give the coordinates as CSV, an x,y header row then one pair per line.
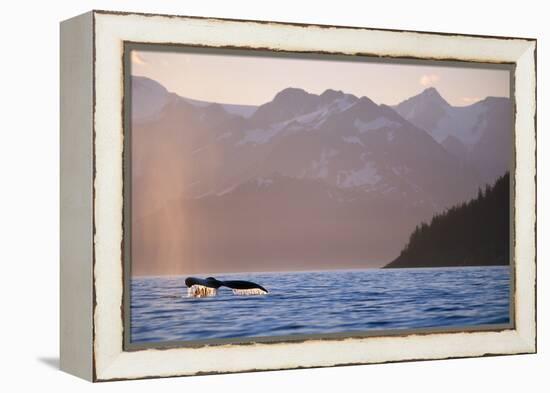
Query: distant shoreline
x,y
312,271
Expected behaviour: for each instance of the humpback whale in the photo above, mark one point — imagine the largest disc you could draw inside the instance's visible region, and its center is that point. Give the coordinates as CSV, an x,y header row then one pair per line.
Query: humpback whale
x,y
199,287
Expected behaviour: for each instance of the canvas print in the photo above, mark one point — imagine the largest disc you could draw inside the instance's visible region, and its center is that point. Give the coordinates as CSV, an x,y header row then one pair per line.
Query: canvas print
x,y
281,196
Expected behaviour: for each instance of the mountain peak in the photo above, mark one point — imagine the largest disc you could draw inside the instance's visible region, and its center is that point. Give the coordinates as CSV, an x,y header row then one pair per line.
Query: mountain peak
x,y
492,100
286,104
433,96
366,103
332,94
291,92
148,84
430,90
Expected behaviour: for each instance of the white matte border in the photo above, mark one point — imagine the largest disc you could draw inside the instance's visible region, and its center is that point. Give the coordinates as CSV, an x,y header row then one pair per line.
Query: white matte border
x,y
111,362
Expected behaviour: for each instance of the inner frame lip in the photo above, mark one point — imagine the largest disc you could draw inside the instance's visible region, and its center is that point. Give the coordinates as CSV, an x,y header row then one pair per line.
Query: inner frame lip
x,y
129,46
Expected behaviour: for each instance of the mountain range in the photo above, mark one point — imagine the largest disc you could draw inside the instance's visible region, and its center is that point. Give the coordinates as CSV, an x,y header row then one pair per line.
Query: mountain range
x,y
480,135
304,180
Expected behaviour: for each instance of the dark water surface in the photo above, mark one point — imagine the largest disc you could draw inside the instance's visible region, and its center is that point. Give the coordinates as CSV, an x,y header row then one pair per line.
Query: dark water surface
x,y
321,302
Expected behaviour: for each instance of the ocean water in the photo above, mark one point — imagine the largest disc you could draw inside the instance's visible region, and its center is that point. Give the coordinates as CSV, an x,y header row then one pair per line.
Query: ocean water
x,y
321,302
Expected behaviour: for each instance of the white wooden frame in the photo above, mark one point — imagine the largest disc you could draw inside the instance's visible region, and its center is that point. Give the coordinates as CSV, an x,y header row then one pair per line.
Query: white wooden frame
x,y
92,195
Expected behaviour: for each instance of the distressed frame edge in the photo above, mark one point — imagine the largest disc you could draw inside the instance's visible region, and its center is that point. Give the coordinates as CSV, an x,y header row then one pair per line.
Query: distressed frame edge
x,y
76,196
525,217
304,24
527,339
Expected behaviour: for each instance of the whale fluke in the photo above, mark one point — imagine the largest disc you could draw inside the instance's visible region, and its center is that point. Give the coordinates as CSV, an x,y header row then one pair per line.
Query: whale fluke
x,y
199,287
240,287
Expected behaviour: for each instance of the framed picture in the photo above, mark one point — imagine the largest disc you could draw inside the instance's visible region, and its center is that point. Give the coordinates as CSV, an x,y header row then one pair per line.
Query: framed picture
x,y
246,195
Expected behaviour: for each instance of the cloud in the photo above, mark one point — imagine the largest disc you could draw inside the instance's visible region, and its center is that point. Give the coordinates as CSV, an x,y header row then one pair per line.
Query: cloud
x,y
429,79
137,58
470,100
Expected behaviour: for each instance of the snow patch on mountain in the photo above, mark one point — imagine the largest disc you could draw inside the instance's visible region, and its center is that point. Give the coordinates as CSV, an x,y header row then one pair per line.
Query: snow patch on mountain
x,y
401,170
308,121
461,122
319,168
352,140
225,135
365,176
376,124
198,150
227,190
264,182
316,118
260,136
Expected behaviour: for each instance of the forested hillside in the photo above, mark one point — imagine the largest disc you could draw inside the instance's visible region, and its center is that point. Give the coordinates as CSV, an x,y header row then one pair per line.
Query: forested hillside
x,y
474,233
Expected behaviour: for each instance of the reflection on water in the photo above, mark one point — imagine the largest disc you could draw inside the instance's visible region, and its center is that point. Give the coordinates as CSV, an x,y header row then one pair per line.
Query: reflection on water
x,y
321,302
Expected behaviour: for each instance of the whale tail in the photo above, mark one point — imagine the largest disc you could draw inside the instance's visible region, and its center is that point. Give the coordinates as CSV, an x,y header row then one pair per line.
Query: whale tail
x,y
248,292
240,287
198,287
201,291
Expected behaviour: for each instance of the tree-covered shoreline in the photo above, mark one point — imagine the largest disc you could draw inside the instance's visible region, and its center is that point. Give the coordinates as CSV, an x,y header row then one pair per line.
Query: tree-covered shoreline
x,y
474,233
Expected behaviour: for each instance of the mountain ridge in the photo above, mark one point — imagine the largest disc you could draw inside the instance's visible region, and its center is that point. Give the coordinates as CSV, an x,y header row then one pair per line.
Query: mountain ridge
x,y
367,156
479,134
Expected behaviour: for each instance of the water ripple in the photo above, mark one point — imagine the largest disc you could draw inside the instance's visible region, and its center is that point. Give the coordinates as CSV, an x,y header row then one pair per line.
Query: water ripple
x,y
322,302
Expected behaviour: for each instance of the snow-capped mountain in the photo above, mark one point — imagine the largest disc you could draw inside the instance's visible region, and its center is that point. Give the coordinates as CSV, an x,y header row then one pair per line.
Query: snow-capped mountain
x,y
480,134
300,159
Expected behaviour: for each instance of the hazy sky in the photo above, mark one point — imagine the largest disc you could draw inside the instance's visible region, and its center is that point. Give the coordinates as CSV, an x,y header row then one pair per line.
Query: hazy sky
x,y
256,79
